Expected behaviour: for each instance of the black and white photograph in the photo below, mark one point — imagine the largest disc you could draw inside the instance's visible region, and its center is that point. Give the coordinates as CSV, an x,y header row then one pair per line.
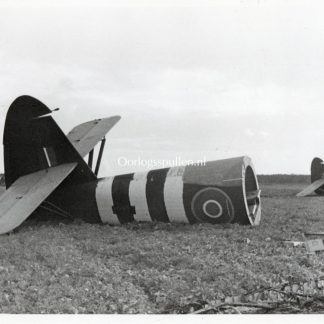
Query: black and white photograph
x,y
162,158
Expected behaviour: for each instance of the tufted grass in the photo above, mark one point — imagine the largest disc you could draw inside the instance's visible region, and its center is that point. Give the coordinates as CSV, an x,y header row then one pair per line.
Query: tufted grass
x,y
57,267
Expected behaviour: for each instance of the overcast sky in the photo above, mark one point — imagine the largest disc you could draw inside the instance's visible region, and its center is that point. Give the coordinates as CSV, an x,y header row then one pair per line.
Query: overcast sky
x,y
194,79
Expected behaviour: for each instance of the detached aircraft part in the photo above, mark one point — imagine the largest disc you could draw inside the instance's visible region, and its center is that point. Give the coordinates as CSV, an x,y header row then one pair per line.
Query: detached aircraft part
x,y
46,170
23,197
317,179
224,191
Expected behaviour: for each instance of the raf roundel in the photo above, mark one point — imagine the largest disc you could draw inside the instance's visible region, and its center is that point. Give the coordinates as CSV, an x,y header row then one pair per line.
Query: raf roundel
x,y
212,205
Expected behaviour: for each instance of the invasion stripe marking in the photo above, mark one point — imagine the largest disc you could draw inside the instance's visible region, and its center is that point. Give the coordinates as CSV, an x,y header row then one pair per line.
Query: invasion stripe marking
x,y
120,194
173,198
155,195
137,197
105,202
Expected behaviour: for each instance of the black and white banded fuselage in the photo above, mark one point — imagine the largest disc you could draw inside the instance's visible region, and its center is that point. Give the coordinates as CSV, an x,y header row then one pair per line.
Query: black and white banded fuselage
x,y
219,192
45,170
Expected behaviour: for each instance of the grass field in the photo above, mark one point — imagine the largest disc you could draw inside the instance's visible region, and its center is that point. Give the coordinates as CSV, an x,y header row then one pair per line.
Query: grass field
x,y
58,267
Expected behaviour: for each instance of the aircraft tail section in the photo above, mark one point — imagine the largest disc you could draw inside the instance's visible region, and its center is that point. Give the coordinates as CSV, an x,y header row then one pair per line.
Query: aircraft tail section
x,y
33,142
317,179
317,173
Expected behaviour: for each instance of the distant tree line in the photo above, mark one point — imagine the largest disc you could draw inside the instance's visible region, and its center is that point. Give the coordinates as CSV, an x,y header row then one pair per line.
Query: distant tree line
x,y
283,178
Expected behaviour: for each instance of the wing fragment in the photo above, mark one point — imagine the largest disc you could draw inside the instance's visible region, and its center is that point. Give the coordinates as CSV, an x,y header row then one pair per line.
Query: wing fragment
x,y
27,193
311,188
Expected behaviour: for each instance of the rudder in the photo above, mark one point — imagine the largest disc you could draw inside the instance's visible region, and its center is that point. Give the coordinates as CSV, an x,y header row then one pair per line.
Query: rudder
x,y
33,141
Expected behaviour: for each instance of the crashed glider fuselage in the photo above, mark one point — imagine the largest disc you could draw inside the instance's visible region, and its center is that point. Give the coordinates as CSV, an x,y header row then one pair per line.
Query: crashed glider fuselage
x,y
45,169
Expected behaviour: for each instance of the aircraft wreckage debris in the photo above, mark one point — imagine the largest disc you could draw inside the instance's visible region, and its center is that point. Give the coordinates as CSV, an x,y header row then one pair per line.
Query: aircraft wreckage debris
x,y
46,169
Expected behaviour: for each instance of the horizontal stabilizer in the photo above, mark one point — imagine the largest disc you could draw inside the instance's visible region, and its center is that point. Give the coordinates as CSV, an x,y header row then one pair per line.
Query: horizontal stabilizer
x,y
85,137
27,193
311,188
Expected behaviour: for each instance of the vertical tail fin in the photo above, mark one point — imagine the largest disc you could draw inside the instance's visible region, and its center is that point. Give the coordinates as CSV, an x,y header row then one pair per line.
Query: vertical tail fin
x,y
33,141
317,173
